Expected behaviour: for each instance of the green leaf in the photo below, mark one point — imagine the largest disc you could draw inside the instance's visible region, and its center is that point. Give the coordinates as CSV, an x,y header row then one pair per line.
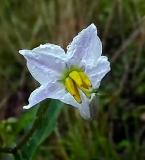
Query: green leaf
x,y
43,126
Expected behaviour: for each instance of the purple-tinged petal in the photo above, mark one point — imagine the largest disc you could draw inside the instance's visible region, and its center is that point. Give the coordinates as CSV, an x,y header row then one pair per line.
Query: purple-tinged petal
x,y
56,91
84,107
45,62
86,47
98,71
51,90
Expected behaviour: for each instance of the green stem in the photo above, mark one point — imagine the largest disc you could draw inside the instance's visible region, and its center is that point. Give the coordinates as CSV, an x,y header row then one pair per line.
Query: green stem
x,y
23,141
39,115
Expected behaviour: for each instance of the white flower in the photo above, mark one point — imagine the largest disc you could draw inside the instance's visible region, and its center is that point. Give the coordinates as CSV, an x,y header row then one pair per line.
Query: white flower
x,y
70,77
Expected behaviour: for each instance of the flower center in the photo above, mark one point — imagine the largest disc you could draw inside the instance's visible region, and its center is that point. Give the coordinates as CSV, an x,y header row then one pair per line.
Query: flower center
x,y
76,80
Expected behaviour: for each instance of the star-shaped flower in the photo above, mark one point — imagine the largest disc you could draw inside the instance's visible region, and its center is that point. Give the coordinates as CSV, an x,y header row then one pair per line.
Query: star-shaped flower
x,y
72,77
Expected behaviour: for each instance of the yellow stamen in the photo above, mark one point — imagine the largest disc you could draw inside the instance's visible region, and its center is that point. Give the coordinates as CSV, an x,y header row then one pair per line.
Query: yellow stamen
x,y
85,79
72,89
75,76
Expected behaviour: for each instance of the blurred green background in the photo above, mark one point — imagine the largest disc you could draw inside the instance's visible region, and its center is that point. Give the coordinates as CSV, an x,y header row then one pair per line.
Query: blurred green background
x,y
118,133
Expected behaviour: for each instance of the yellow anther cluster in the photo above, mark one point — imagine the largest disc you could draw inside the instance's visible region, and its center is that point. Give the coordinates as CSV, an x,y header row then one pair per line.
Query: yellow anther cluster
x,y
78,80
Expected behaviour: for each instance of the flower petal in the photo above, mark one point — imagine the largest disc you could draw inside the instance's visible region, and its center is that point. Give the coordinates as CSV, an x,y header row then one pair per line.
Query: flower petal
x,y
45,62
85,108
68,99
56,91
86,47
51,90
98,71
